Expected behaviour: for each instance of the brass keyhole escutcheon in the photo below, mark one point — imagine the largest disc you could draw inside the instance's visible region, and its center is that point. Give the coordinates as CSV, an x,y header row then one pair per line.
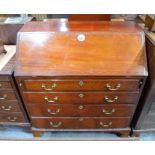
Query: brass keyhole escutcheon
x,y
20,84
81,95
81,107
81,119
81,83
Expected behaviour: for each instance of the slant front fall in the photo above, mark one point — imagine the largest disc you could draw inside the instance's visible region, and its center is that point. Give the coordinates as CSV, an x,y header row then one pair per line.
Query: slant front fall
x,y
81,76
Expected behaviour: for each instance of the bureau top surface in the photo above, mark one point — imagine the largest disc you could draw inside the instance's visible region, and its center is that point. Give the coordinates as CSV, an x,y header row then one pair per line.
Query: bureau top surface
x,y
63,48
63,25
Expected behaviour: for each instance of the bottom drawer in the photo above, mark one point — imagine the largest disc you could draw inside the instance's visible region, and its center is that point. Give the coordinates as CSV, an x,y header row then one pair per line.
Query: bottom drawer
x,y
13,117
80,123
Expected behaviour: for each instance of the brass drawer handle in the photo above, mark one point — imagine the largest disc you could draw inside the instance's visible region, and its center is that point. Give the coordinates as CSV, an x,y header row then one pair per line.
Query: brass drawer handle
x,y
54,85
12,119
4,97
109,87
53,113
108,112
56,125
6,109
50,100
111,100
105,125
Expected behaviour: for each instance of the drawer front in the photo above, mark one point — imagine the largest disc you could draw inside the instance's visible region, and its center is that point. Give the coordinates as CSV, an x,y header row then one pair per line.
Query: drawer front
x,y
66,85
7,95
5,85
9,106
82,98
11,117
80,110
4,78
80,123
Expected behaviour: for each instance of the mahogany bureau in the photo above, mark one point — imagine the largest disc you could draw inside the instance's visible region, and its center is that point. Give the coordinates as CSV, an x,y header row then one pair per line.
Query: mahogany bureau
x,y
81,76
12,111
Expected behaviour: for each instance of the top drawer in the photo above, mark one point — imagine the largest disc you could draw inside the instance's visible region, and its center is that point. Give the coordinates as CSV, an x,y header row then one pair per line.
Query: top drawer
x,y
5,85
4,78
90,84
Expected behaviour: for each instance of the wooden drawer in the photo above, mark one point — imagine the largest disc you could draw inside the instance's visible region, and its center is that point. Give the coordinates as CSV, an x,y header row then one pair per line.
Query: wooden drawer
x,y
5,85
9,106
91,84
11,117
4,78
80,123
80,110
7,95
82,97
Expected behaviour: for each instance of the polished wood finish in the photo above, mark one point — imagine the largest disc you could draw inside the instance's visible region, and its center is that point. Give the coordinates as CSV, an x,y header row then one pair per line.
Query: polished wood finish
x,y
81,110
89,17
9,106
6,95
80,123
82,97
63,54
5,85
4,79
89,75
7,117
55,25
80,84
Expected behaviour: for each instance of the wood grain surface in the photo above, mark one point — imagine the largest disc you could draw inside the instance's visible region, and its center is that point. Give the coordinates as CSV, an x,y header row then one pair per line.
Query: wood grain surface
x,y
59,51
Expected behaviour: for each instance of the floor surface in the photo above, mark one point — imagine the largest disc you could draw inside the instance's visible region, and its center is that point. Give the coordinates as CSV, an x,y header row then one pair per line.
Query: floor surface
x,y
16,133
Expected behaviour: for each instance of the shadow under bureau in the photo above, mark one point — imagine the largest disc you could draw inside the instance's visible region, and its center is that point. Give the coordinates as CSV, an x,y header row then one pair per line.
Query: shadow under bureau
x,y
81,76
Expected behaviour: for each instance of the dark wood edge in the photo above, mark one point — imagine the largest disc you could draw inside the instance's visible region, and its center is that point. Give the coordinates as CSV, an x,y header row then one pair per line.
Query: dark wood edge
x,y
145,102
90,130
20,77
122,132
21,104
144,109
135,114
15,124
